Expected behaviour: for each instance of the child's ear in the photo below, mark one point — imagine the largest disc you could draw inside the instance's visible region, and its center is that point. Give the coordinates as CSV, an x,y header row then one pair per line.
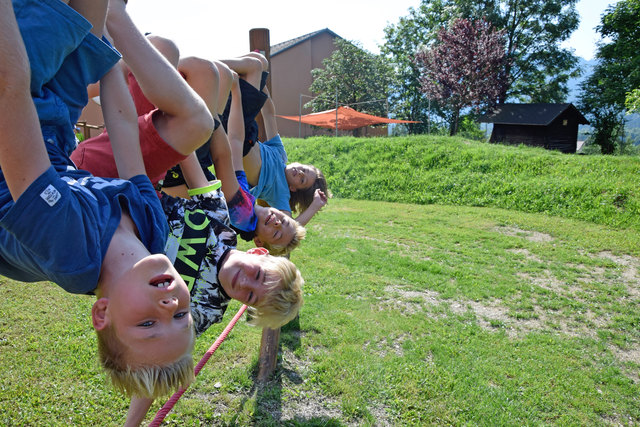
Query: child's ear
x,y
293,190
258,242
99,314
258,251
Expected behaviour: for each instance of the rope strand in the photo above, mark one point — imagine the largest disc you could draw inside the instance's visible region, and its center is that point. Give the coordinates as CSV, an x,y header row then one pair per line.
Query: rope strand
x,y
162,412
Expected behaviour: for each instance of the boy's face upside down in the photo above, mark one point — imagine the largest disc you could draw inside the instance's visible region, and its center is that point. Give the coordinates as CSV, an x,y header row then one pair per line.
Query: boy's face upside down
x,y
151,312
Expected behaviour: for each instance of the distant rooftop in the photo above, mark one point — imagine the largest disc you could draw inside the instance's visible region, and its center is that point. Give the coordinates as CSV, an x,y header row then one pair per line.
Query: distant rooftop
x,y
281,47
529,114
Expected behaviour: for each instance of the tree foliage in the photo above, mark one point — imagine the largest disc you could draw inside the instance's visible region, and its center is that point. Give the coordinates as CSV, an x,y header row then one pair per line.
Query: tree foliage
x,y
604,93
351,76
538,68
632,101
464,68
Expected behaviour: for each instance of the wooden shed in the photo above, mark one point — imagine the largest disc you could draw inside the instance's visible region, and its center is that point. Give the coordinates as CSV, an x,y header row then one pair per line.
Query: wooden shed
x,y
552,126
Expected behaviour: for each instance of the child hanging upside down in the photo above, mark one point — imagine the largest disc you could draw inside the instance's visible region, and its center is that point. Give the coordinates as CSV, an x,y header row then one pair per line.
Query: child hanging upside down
x,y
292,187
268,227
108,236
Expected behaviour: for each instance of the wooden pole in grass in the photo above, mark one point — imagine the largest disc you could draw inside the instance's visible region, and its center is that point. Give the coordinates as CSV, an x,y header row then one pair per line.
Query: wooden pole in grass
x,y
259,40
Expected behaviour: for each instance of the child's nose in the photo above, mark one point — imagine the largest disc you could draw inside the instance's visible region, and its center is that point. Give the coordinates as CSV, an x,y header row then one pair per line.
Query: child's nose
x,y
169,303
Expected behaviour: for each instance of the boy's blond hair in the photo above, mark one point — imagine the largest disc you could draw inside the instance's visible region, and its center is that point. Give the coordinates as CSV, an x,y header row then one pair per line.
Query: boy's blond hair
x,y
282,302
149,381
298,235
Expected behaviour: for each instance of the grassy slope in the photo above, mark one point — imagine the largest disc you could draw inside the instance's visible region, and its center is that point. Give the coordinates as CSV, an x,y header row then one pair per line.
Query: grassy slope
x,y
426,170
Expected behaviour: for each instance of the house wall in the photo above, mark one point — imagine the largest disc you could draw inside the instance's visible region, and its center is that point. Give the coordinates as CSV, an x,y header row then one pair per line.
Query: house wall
x,y
519,134
291,77
562,133
92,115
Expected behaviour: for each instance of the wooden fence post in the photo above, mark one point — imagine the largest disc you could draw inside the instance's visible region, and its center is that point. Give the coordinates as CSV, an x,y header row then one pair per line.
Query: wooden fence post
x,y
259,40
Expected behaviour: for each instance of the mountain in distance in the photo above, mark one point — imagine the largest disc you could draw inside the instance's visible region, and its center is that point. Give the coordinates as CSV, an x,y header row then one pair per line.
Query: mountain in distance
x,y
586,67
632,125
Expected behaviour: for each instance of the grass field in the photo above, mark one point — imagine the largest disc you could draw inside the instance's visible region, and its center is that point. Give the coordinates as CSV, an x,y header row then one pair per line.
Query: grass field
x,y
414,314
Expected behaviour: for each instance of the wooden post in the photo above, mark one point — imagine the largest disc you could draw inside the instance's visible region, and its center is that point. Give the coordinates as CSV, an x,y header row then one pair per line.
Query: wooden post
x,y
268,353
259,40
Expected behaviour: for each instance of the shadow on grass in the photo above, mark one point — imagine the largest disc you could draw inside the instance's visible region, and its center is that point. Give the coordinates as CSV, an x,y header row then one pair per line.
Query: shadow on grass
x,y
268,395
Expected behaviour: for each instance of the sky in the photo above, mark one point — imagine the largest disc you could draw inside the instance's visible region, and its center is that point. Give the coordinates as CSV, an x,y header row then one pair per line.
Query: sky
x,y
217,30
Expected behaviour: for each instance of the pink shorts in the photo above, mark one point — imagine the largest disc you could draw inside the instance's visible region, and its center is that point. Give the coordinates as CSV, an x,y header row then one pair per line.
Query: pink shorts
x,y
96,156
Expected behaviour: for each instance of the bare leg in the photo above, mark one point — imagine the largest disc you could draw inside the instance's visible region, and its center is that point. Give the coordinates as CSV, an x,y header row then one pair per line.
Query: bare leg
x,y
224,85
248,67
186,123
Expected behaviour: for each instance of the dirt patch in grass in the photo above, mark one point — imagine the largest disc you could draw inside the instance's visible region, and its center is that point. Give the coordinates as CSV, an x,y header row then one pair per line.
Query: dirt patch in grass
x,y
534,236
528,255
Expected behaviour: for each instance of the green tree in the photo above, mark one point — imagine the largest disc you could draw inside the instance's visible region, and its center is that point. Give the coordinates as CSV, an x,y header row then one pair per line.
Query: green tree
x,y
352,76
632,101
617,73
538,68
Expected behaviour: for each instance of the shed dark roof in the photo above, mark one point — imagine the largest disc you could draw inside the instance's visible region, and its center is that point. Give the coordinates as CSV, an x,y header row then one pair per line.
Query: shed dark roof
x,y
281,47
529,114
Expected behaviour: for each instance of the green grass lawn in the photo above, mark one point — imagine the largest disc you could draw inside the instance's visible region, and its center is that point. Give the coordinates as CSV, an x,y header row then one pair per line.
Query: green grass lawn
x,y
414,314
449,282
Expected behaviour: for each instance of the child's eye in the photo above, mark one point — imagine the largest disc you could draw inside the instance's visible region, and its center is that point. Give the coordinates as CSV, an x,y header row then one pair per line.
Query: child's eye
x,y
147,324
258,275
250,297
180,315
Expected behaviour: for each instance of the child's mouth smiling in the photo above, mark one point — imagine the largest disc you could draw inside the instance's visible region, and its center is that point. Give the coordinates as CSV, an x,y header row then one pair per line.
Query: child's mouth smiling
x,y
163,281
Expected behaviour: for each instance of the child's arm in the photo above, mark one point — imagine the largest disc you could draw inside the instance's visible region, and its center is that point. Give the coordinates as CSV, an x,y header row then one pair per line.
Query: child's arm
x,y
192,172
23,156
235,125
223,144
269,117
121,120
137,411
319,200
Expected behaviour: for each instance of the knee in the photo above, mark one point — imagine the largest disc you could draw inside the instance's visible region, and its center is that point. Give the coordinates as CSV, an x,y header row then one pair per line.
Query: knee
x,y
166,47
198,68
225,76
264,64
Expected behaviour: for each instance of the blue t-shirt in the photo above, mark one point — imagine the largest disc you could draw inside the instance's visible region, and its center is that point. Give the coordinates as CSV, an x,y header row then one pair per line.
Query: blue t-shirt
x,y
64,58
272,184
61,226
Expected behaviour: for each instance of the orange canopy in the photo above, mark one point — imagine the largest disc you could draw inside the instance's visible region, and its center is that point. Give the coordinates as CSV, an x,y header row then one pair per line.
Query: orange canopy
x,y
348,119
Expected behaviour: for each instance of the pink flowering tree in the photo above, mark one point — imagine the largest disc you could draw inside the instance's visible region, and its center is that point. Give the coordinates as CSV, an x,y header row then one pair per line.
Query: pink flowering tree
x,y
464,68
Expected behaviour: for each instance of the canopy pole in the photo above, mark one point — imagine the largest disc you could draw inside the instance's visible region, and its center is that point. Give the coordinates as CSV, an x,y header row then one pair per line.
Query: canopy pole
x,y
300,116
336,112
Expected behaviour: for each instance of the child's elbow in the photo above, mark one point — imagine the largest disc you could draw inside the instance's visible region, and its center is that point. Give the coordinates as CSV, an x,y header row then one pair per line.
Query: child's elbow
x,y
203,123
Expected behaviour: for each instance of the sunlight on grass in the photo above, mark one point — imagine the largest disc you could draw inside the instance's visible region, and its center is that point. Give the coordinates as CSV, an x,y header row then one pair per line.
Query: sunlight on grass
x,y
413,314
